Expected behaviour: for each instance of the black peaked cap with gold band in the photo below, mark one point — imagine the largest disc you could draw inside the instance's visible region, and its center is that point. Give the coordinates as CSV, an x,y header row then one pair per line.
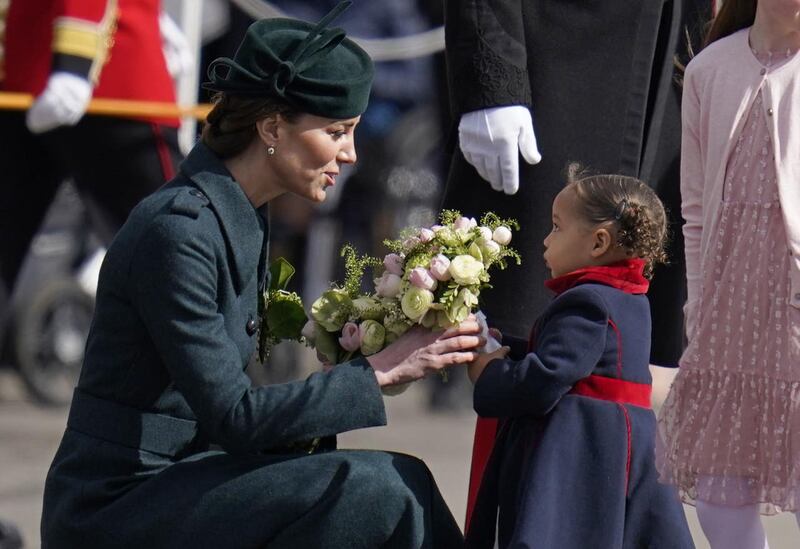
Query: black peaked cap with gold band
x,y
315,69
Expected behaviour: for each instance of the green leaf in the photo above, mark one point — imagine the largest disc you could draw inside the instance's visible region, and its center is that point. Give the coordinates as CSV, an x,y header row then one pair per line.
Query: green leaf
x,y
281,271
285,316
327,344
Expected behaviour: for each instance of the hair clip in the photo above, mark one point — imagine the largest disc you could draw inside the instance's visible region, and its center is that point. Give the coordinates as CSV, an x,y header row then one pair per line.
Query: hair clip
x,y
621,209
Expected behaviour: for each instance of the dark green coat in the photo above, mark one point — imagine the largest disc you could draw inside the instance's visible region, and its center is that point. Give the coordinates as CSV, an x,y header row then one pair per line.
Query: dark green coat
x,y
163,383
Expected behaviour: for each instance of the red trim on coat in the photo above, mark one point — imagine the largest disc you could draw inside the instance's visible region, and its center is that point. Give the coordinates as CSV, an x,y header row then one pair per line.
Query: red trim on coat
x,y
164,156
628,458
485,434
614,390
626,275
619,347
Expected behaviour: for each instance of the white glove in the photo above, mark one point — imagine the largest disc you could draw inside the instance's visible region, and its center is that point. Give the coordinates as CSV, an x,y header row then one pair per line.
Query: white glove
x,y
62,103
177,52
489,140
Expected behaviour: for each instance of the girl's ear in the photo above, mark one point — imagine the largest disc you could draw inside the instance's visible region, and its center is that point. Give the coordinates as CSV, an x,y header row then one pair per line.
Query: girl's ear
x,y
267,129
601,242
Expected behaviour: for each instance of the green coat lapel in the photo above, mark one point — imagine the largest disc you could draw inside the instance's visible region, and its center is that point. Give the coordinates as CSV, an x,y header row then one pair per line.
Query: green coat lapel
x,y
244,228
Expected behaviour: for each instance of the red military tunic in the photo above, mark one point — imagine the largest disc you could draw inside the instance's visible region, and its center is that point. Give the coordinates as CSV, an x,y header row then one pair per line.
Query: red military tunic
x,y
116,43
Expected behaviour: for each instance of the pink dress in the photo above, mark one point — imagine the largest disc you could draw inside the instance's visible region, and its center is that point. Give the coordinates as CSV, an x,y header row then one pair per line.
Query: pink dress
x,y
730,427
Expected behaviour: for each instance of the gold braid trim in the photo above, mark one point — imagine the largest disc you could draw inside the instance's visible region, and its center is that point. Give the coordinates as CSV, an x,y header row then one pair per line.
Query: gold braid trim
x,y
92,41
78,38
108,27
4,4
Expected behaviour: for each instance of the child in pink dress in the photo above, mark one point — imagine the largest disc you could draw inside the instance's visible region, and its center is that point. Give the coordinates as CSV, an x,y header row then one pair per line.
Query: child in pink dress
x,y
730,427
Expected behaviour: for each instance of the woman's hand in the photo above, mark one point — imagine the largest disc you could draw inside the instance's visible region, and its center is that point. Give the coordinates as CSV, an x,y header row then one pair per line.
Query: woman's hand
x,y
475,368
419,352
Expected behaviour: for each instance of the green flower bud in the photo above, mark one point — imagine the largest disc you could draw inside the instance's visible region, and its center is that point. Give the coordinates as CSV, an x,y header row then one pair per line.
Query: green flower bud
x,y
331,309
416,302
368,308
462,306
373,336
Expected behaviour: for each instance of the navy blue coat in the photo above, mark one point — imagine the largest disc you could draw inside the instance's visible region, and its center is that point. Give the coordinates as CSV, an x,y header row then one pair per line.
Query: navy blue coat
x,y
168,444
567,470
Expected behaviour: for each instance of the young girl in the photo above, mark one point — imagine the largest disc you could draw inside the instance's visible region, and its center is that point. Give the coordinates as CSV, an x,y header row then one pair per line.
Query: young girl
x,y
573,460
731,424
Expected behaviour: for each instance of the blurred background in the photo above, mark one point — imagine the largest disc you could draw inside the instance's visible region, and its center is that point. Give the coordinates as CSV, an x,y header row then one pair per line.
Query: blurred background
x,y
403,142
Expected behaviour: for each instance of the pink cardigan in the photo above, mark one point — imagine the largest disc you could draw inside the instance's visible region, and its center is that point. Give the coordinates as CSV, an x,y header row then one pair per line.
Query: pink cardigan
x,y
720,85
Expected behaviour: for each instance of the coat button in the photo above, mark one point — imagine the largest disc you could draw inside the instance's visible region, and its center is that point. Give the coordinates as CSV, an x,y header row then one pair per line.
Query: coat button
x,y
251,327
763,71
197,193
769,112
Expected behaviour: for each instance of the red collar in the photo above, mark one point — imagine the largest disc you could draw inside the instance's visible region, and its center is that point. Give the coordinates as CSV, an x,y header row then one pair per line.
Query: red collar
x,y
625,275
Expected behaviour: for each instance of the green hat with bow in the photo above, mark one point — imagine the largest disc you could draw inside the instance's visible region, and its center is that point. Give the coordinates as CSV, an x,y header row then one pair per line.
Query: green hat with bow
x,y
315,69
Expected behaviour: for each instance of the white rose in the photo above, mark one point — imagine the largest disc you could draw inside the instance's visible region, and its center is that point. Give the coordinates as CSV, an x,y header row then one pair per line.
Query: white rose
x,y
490,248
502,235
466,270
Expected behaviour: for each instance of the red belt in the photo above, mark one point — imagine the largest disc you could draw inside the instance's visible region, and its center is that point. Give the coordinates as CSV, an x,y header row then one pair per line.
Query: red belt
x,y
614,390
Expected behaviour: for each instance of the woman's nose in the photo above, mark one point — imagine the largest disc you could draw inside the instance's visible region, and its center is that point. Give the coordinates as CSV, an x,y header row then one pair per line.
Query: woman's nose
x,y
347,153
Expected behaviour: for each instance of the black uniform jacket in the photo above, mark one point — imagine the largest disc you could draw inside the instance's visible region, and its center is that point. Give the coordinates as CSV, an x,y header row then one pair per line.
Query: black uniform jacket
x,y
600,80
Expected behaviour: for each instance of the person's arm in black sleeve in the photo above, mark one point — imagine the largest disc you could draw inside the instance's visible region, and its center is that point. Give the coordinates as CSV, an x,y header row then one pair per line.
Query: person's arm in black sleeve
x,y
486,55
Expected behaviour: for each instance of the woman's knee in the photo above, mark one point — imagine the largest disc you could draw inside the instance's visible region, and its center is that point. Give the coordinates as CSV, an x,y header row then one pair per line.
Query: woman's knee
x,y
390,473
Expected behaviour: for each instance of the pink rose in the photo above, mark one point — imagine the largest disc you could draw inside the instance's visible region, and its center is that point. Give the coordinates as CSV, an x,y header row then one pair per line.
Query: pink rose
x,y
437,228
461,224
388,285
426,235
439,267
350,339
422,278
393,264
410,242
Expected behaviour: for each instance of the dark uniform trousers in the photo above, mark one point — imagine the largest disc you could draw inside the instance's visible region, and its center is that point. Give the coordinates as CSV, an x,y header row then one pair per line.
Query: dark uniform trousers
x,y
114,164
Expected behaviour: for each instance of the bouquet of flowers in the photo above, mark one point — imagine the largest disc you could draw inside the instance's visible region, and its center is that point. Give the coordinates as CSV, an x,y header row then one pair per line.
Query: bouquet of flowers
x,y
432,276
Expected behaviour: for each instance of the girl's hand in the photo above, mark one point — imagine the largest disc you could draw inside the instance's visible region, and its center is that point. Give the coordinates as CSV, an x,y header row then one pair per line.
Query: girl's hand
x,y
419,352
475,369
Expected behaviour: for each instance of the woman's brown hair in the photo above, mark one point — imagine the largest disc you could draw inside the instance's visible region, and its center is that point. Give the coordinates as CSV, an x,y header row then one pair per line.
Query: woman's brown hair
x,y
231,125
734,15
631,205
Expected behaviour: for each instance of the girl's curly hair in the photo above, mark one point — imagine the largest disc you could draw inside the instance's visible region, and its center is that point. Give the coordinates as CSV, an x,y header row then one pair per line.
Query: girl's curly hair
x,y
633,207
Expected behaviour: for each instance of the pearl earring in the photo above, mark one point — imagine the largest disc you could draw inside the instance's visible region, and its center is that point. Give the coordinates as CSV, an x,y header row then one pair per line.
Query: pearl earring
x,y
270,150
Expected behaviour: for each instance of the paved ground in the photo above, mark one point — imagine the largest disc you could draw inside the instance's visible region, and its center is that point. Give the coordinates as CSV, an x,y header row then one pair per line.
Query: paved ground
x,y
29,436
